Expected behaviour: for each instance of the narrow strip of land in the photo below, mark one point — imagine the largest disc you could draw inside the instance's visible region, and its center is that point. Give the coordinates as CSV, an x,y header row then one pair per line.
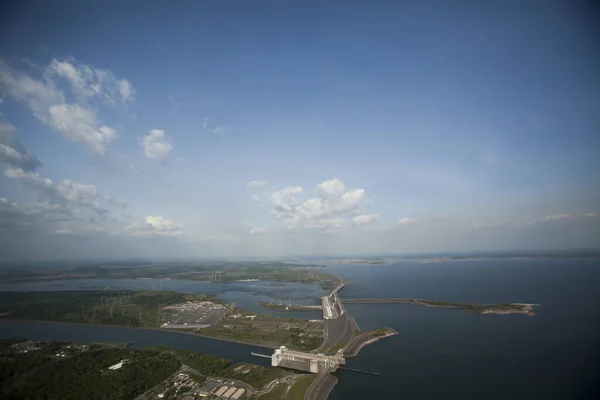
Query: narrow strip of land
x,y
508,308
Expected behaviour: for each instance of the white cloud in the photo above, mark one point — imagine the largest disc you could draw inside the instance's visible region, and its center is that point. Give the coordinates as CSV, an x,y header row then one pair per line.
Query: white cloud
x,y
284,201
116,202
591,215
556,217
27,176
257,231
76,192
255,184
156,145
406,221
80,125
126,90
205,123
155,227
12,151
36,94
66,191
78,120
365,219
222,130
87,82
332,208
255,198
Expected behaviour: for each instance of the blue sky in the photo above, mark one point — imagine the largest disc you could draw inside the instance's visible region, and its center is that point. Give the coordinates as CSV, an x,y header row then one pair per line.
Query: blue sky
x,y
294,128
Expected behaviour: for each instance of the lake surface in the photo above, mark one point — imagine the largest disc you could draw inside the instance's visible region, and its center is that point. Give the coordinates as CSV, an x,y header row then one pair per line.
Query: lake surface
x,y
456,354
438,353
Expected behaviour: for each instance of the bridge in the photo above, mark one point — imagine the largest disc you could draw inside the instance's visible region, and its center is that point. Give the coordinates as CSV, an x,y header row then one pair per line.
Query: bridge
x,y
308,362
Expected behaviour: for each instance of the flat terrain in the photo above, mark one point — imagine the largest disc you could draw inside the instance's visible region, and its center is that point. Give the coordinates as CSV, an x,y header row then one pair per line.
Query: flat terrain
x,y
217,271
508,308
124,308
320,387
338,332
300,388
358,341
267,331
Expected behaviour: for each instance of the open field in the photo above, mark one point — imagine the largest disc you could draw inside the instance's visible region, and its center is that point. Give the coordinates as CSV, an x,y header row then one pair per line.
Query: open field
x,y
154,309
124,308
268,331
274,394
298,391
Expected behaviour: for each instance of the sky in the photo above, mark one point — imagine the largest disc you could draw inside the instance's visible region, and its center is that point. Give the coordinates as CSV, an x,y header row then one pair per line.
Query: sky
x,y
198,129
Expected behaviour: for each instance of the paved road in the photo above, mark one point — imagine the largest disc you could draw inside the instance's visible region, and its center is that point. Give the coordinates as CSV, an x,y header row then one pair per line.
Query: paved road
x,y
338,330
321,386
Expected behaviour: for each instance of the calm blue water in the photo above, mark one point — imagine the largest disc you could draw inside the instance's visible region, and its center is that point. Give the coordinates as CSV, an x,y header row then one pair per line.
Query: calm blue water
x,y
438,354
455,354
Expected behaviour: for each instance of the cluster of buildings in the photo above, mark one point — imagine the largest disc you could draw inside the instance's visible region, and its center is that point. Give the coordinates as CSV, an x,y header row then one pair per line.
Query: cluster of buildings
x,y
210,389
226,392
193,314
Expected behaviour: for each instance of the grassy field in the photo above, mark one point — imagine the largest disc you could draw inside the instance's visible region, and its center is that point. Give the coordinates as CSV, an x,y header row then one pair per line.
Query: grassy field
x,y
125,308
299,389
274,394
268,331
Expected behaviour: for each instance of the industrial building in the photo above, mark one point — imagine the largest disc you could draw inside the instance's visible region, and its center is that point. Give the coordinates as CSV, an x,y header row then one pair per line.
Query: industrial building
x,y
229,392
309,362
221,391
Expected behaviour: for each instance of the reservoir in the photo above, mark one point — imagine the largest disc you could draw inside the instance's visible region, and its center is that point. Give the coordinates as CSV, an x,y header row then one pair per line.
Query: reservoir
x,y
445,353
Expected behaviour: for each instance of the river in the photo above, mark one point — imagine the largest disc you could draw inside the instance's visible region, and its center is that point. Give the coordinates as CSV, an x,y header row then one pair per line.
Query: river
x,y
438,353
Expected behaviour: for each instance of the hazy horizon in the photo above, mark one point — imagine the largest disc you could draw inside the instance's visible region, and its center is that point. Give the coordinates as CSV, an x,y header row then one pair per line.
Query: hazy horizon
x,y
270,129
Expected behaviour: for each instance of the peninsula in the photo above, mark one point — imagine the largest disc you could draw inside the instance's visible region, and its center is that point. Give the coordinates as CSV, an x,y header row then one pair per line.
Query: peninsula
x,y
506,308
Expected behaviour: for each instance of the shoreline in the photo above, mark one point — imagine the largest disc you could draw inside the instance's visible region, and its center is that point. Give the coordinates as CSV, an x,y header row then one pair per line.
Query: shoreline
x,y
502,309
140,328
365,342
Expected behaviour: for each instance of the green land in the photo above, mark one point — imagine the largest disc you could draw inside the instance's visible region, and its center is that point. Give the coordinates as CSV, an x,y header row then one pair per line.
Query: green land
x,y
298,391
275,393
506,308
123,308
143,309
42,372
201,271
53,370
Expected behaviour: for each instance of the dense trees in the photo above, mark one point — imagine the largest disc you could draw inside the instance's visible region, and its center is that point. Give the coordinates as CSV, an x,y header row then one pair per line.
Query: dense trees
x,y
86,375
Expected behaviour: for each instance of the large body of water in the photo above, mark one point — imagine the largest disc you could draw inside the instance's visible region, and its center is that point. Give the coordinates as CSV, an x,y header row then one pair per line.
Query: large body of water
x,y
438,353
